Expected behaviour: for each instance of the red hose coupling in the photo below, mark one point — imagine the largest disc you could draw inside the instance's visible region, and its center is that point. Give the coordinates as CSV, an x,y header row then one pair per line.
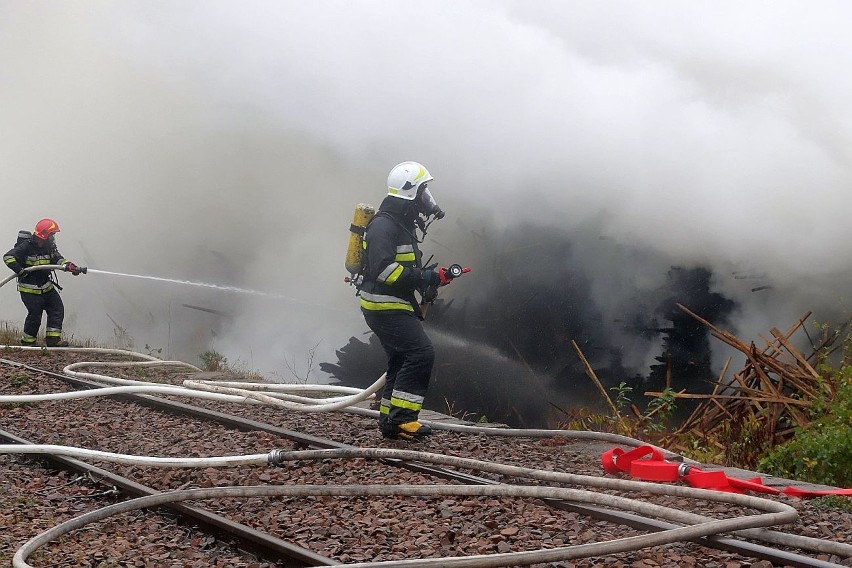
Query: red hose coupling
x,y
653,470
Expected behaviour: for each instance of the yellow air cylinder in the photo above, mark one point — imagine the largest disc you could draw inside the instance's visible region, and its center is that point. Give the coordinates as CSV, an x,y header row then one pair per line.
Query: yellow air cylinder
x,y
355,253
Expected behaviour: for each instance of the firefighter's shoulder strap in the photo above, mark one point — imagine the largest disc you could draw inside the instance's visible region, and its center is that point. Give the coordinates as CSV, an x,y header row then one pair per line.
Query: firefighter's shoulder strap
x,y
363,243
399,224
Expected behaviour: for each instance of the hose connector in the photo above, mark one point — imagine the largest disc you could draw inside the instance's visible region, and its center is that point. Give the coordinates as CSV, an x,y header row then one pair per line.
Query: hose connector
x,y
276,457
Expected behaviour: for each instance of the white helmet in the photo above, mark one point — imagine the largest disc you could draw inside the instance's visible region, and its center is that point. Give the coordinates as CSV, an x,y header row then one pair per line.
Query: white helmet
x,y
406,178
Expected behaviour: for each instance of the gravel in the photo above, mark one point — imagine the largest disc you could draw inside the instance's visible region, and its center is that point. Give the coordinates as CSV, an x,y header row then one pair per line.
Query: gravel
x,y
351,529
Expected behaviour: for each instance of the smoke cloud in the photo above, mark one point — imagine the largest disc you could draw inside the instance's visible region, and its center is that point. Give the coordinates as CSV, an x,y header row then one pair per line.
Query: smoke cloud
x,y
228,143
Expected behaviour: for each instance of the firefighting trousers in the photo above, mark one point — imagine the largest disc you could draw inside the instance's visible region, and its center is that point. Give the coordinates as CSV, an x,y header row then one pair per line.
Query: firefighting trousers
x,y
38,304
410,359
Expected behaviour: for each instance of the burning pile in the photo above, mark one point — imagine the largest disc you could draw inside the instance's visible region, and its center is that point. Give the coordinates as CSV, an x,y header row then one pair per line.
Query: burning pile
x,y
761,406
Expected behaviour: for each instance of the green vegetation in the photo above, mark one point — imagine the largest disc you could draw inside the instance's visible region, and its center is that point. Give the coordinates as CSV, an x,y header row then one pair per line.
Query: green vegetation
x,y
213,361
659,411
833,502
818,449
463,414
822,452
19,380
649,425
19,404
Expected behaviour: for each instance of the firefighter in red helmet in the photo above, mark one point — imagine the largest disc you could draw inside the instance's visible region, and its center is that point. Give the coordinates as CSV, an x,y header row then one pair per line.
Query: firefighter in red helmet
x,y
38,288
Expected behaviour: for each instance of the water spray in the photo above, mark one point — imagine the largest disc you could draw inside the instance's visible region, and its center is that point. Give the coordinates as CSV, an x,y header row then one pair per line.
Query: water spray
x,y
86,270
192,283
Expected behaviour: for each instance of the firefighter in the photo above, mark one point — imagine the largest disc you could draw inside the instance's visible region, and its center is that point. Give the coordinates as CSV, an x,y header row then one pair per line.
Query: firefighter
x,y
37,287
392,272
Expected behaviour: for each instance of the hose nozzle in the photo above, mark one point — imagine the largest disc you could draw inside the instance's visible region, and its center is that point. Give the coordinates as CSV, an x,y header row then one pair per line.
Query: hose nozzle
x,y
456,270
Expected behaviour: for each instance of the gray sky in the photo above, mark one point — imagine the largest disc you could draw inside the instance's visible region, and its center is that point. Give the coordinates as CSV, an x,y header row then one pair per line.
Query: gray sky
x,y
228,142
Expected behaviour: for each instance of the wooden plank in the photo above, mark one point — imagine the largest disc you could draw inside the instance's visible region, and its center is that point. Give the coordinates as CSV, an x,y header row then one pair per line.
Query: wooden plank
x,y
591,373
796,355
772,399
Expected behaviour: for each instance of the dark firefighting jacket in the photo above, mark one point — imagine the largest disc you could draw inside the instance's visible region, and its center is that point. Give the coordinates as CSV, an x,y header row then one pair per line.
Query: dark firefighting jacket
x,y
27,253
392,267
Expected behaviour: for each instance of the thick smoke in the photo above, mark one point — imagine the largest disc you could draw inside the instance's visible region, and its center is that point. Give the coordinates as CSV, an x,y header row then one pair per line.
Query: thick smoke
x,y
505,341
229,144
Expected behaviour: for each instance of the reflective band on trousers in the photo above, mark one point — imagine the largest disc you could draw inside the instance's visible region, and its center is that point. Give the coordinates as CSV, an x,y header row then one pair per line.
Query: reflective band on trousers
x,y
400,403
407,400
380,302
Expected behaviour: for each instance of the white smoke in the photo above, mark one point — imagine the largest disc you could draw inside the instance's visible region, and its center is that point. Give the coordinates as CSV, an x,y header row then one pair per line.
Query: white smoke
x,y
229,143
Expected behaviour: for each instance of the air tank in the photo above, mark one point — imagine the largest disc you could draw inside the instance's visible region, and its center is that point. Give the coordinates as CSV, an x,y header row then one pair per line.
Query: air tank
x,y
355,252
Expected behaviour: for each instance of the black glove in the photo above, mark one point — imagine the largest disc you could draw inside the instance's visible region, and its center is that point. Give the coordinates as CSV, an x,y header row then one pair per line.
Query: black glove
x,y
429,294
429,277
72,268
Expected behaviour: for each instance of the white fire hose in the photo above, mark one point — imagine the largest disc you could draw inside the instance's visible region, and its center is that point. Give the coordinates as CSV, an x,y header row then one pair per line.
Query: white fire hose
x,y
343,399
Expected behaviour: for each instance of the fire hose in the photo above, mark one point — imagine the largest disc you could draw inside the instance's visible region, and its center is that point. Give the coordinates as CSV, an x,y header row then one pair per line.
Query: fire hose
x,y
776,513
82,269
744,526
648,464
282,396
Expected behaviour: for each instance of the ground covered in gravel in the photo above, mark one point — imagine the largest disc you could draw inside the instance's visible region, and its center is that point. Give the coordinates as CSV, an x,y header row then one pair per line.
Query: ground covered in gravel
x,y
352,529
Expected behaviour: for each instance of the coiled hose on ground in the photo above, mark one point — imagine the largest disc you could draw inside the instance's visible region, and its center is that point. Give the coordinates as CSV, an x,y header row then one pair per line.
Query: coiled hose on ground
x,y
343,399
276,394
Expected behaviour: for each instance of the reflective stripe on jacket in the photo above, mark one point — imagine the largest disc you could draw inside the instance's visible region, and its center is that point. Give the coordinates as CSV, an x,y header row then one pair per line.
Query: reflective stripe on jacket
x,y
27,254
393,264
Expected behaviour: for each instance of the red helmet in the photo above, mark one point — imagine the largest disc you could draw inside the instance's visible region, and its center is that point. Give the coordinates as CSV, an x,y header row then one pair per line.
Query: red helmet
x,y
45,228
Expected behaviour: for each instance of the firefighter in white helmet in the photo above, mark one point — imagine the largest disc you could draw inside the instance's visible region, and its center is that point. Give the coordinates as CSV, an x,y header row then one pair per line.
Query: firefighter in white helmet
x,y
393,271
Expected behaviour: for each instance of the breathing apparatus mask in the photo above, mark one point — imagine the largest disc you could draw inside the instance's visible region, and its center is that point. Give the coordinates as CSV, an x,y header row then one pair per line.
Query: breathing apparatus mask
x,y
427,208
426,204
44,243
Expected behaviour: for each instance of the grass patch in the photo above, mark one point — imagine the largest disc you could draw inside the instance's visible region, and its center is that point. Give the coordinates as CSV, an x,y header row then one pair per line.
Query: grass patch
x,y
839,502
19,380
